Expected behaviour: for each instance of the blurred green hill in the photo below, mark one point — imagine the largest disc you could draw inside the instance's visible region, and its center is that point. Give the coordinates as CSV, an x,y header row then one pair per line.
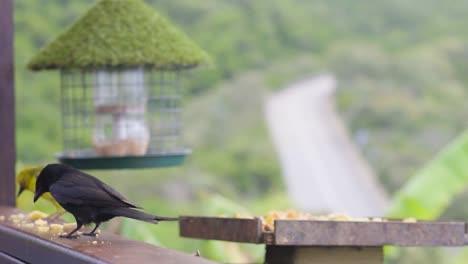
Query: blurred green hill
x,y
390,57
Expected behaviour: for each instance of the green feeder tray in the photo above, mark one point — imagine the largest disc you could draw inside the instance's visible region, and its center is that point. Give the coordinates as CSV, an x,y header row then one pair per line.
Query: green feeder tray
x,y
87,160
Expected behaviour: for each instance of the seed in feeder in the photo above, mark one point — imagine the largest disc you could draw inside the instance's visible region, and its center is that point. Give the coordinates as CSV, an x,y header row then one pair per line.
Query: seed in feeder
x,y
2,217
35,215
94,242
40,222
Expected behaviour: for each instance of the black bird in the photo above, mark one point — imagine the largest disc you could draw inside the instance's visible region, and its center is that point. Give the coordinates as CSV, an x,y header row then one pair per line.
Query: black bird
x,y
88,199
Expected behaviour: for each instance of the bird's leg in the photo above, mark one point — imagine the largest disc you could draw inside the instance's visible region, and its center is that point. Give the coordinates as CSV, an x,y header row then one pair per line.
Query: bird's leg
x,y
70,235
92,233
56,215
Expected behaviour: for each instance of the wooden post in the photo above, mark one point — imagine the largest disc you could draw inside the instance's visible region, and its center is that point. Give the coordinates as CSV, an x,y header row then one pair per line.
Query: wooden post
x,y
323,255
7,106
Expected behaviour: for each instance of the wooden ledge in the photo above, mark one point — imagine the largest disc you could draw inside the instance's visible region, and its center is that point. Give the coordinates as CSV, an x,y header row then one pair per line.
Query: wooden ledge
x,y
326,233
30,246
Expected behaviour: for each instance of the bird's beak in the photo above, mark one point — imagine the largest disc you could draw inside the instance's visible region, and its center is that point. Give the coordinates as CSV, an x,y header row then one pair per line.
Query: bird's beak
x,y
21,189
37,194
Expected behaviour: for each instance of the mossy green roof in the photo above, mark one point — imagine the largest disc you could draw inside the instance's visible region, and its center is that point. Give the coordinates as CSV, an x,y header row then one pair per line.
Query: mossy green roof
x,y
120,33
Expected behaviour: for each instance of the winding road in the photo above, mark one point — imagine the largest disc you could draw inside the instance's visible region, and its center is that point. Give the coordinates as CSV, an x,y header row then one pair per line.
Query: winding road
x,y
323,169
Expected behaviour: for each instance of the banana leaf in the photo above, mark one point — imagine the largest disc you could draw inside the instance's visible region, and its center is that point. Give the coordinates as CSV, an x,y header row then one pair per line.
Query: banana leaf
x,y
428,193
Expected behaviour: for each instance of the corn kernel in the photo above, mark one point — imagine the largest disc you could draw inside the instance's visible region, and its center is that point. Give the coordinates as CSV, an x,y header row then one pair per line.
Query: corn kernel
x,y
56,229
69,227
40,222
27,225
409,220
43,229
35,215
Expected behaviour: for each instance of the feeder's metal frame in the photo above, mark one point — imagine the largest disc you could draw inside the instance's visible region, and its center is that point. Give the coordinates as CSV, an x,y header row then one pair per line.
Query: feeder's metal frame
x,y
163,117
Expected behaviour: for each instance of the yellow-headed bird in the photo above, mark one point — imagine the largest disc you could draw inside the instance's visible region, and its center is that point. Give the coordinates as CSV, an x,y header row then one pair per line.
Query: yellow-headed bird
x,y
26,180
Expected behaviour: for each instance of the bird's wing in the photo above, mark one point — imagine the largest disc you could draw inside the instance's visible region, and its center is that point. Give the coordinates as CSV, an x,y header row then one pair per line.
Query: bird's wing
x,y
116,194
80,189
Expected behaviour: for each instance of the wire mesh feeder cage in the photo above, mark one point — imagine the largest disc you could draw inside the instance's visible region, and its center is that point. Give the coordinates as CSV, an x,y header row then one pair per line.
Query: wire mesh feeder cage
x,y
121,65
122,117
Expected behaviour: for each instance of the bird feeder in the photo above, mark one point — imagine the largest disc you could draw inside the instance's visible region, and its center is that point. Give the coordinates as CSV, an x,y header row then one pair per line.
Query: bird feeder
x,y
121,66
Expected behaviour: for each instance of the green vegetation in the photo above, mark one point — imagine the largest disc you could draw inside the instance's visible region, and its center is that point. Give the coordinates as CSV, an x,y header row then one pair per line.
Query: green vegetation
x,y
410,104
401,69
444,177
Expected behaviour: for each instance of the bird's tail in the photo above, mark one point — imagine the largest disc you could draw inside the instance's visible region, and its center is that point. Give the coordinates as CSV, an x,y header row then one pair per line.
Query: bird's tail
x,y
138,215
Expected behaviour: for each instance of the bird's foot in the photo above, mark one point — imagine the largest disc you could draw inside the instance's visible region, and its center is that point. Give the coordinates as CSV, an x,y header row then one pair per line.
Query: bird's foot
x,y
89,234
70,236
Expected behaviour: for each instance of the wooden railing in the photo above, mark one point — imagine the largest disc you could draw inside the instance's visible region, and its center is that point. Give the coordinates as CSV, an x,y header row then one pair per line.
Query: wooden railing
x,y
23,244
7,106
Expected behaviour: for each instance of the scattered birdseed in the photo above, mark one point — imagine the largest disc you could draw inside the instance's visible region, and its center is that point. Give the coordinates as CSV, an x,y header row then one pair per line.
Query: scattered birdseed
x,y
56,229
43,229
35,215
40,222
27,225
69,227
